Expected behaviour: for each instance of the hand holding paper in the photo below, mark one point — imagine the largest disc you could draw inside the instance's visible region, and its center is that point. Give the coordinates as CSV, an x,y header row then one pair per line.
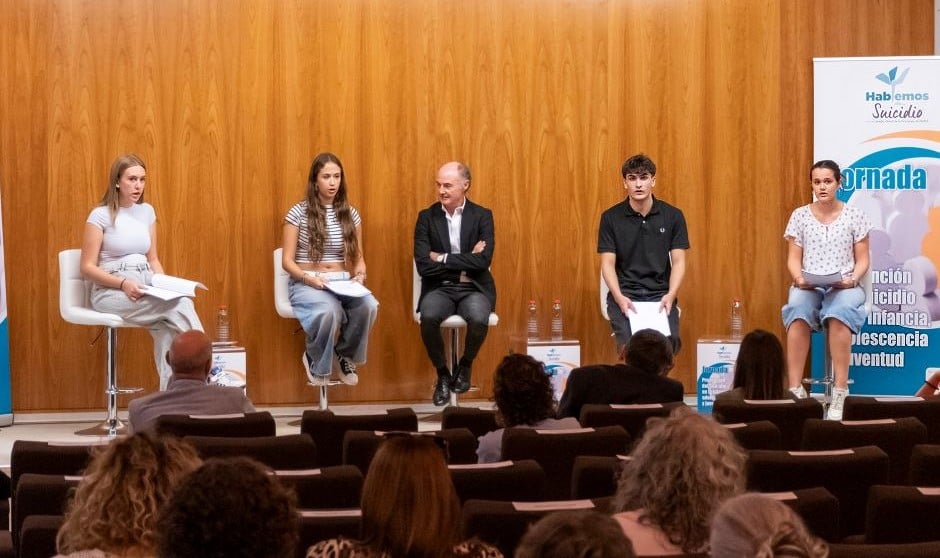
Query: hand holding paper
x,y
648,315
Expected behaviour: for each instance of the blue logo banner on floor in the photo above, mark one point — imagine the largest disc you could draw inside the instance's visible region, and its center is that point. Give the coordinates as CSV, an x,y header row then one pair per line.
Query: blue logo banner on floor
x,y
879,118
6,404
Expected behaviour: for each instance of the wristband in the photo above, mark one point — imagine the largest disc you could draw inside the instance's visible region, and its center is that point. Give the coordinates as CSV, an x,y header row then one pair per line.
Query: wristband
x,y
931,385
121,286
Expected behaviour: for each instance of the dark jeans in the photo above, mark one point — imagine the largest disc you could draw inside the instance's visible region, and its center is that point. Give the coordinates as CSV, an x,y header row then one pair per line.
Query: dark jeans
x,y
457,298
621,325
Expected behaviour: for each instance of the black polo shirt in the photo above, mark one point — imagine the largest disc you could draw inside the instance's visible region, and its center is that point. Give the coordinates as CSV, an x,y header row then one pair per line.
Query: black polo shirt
x,y
642,246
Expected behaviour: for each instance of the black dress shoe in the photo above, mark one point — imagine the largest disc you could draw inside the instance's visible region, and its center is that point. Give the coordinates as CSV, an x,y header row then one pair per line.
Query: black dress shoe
x,y
462,379
442,391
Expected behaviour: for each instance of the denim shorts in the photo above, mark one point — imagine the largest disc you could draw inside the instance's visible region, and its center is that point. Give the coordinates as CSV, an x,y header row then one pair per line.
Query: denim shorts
x,y
817,305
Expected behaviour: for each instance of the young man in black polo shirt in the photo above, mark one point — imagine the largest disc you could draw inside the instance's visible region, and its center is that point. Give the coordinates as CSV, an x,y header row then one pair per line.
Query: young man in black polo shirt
x,y
642,243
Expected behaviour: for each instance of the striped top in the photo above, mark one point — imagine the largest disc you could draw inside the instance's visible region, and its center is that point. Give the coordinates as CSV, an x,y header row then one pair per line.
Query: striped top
x,y
334,249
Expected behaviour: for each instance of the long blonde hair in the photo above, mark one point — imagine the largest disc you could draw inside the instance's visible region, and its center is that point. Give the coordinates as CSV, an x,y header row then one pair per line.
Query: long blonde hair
x,y
683,467
112,196
114,508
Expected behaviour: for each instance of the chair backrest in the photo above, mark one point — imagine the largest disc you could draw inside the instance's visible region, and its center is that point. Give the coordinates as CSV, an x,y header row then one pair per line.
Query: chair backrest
x,y
281,296
324,488
925,462
556,450
321,525
519,481
479,421
75,293
415,291
604,290
360,446
631,417
896,437
761,434
328,429
39,495
594,476
902,514
869,408
295,451
37,537
788,414
245,425
49,458
817,507
502,524
847,474
911,550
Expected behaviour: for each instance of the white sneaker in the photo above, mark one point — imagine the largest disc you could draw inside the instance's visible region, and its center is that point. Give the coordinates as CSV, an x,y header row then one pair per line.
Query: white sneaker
x,y
347,371
312,378
799,392
837,403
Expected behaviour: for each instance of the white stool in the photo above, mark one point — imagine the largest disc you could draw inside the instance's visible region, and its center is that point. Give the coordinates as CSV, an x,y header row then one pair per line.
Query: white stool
x,y
285,310
454,323
74,305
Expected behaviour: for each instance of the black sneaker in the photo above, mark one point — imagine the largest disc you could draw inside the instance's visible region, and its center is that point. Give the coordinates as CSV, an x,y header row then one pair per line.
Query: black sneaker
x,y
347,370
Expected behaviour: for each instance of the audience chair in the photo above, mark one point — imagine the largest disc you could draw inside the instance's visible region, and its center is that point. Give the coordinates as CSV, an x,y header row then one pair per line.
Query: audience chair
x,y
453,324
241,425
896,437
40,495
911,550
925,465
479,421
902,514
360,446
788,414
847,474
38,535
870,408
631,417
75,308
285,310
555,451
760,434
817,507
596,476
519,481
325,488
49,458
321,525
328,429
502,524
296,451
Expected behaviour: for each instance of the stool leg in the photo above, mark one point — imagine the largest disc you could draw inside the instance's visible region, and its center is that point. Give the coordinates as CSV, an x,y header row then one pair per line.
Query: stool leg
x,y
324,402
111,426
454,360
828,375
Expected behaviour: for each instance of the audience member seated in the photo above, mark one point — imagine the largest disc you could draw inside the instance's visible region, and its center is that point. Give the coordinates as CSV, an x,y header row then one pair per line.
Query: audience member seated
x,y
113,511
760,370
682,469
648,356
409,507
577,534
229,507
759,526
931,387
188,391
524,398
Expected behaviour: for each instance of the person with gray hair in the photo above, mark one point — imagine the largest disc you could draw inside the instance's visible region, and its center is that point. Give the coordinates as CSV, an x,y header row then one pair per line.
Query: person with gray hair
x,y
188,391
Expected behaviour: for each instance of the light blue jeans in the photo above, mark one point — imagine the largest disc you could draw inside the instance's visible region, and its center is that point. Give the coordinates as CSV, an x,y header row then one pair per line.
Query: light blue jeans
x,y
818,305
333,323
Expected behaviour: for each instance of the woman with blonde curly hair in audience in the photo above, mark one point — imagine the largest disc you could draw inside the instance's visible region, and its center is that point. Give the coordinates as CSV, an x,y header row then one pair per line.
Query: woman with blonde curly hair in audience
x,y
409,507
114,509
759,526
682,469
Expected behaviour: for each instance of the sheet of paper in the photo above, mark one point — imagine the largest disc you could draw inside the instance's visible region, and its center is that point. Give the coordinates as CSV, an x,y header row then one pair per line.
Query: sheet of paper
x,y
348,288
168,287
822,280
648,316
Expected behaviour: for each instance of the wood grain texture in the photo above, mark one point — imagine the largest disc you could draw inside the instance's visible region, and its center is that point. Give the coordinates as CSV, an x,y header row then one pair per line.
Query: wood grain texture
x,y
229,101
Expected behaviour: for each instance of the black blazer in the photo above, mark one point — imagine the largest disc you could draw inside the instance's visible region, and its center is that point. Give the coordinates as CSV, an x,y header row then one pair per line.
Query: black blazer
x,y
431,236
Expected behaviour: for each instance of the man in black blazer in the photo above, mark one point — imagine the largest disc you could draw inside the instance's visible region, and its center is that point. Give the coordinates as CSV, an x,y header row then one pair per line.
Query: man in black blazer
x,y
642,379
453,249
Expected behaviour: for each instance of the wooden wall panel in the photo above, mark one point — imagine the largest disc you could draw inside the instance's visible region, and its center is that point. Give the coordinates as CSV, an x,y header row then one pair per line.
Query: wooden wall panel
x,y
228,102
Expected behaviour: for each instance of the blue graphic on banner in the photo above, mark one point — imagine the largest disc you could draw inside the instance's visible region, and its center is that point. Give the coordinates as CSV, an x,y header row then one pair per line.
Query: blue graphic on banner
x,y
714,379
6,404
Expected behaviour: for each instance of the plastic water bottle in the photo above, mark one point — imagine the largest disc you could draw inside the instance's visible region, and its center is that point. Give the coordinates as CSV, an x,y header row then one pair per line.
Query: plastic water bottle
x,y
557,332
532,328
223,332
737,318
